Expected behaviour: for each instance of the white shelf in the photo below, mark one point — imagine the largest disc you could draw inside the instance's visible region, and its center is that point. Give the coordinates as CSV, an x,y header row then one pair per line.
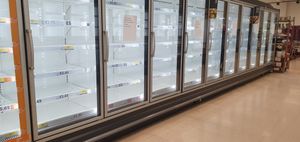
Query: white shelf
x,y
9,124
4,20
60,23
125,63
62,47
4,50
126,5
6,78
61,71
64,91
7,104
66,111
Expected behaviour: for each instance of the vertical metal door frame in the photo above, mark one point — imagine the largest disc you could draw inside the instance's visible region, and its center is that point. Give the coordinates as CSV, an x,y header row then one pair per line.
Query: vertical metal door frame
x,y
185,39
249,48
224,40
179,51
30,73
206,43
239,40
260,33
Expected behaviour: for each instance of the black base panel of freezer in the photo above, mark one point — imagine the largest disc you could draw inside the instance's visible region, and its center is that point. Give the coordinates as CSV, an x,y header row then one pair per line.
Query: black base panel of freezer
x,y
116,127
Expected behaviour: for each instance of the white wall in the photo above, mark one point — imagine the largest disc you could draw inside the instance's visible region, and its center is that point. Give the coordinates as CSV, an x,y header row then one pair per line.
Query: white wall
x,y
288,9
282,7
293,10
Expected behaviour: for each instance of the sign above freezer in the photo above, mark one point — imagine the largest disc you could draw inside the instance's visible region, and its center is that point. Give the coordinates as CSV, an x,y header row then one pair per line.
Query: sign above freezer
x,y
213,6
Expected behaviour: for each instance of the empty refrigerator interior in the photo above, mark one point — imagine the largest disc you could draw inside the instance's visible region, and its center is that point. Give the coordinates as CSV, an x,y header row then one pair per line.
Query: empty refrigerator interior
x,y
271,36
231,41
165,61
195,29
264,38
254,44
64,45
244,39
126,27
215,43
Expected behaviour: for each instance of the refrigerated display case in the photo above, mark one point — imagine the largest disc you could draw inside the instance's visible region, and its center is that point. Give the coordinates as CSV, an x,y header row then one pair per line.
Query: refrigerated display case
x,y
244,39
126,32
63,61
167,28
231,35
254,44
271,36
264,38
13,119
195,27
215,43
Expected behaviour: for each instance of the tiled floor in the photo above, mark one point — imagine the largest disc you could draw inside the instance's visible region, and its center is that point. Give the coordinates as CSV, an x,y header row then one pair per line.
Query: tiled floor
x,y
265,110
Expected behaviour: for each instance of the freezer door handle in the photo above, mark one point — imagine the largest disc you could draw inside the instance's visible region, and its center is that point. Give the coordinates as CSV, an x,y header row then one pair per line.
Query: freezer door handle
x,y
153,44
105,46
30,49
186,42
210,41
241,39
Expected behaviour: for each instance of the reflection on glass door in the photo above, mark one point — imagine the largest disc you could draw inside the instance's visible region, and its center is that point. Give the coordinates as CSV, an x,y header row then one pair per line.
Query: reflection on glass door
x,y
65,48
9,108
126,31
165,54
231,42
194,51
215,43
264,38
254,44
244,38
272,32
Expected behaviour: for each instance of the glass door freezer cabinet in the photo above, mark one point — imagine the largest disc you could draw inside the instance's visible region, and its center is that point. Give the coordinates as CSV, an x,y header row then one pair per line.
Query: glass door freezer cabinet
x,y
166,42
215,39
271,37
194,42
13,120
125,50
231,38
265,22
63,48
244,38
254,43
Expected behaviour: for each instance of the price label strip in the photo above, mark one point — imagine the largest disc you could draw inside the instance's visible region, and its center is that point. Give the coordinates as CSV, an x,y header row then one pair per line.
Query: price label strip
x,y
64,96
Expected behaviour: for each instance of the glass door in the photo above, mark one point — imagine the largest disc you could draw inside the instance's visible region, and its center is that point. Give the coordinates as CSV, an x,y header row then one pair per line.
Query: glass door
x,y
165,53
125,53
215,43
195,28
65,50
244,39
272,33
231,41
264,38
9,108
254,44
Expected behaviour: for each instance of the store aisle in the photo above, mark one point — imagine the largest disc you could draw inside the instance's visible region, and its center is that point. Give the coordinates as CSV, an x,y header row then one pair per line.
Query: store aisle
x,y
265,110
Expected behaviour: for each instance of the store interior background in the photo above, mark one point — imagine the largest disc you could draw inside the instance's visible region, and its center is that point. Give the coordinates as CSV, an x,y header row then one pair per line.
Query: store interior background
x,y
287,9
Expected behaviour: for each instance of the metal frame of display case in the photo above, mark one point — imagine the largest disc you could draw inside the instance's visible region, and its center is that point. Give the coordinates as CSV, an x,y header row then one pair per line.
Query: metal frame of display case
x,y
109,123
20,73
